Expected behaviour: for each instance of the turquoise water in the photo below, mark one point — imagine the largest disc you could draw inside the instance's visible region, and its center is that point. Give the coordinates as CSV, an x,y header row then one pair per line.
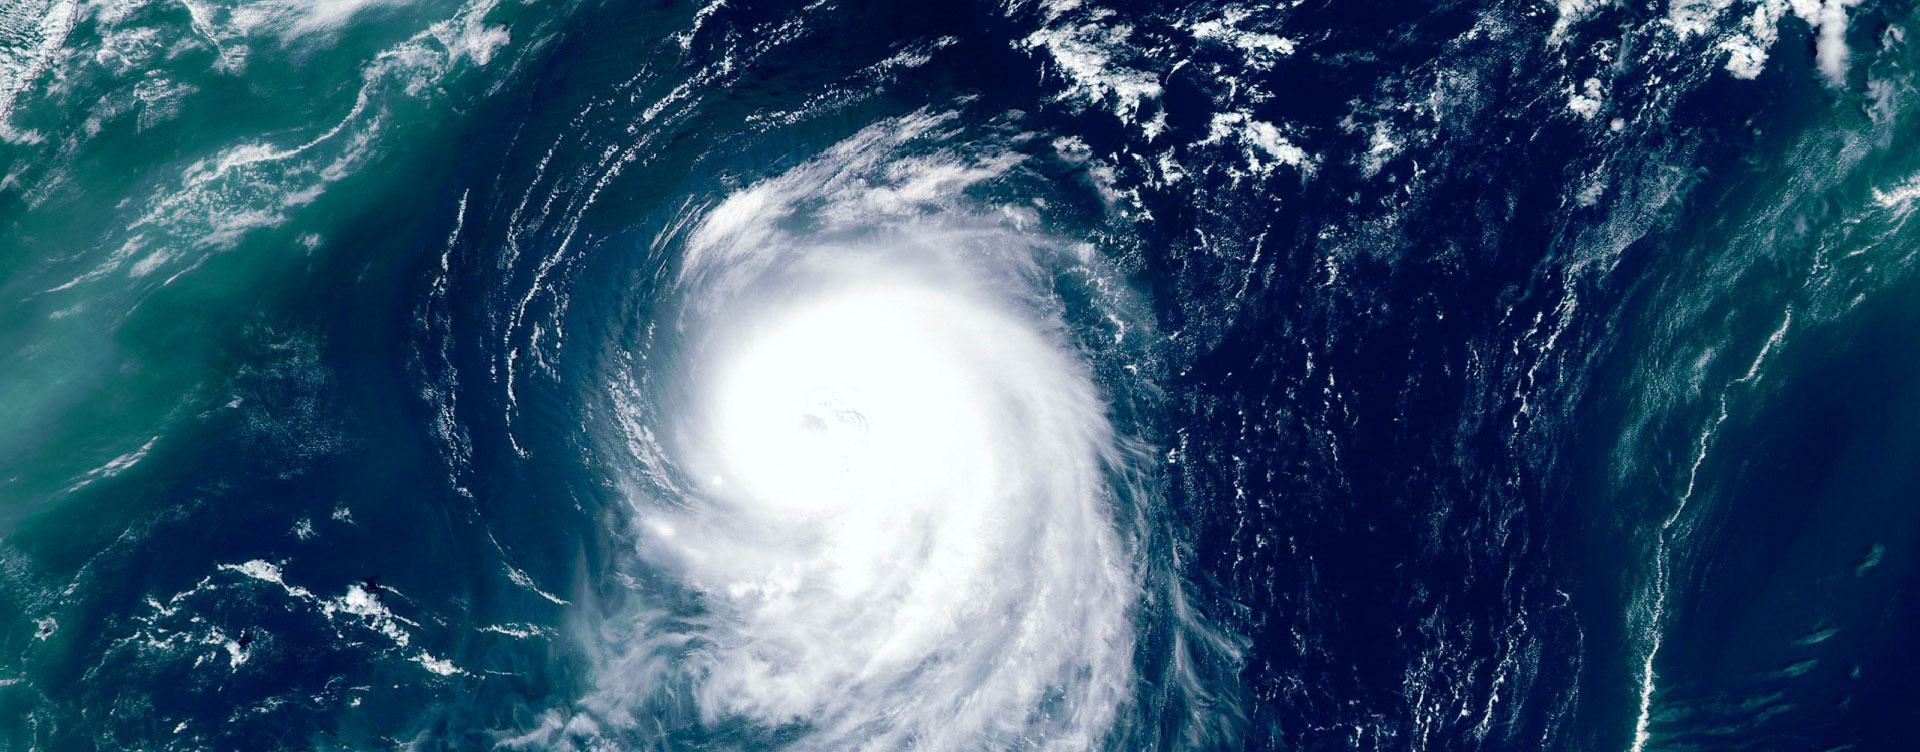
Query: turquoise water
x,y
1058,375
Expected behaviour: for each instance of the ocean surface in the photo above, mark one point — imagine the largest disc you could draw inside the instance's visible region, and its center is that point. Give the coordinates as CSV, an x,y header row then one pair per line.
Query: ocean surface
x,y
1018,375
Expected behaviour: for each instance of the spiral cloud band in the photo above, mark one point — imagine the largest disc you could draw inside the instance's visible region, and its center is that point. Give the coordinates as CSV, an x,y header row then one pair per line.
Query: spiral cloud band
x,y
879,470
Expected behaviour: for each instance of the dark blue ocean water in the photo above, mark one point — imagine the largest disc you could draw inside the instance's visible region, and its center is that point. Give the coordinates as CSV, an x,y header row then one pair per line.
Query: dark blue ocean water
x,y
1506,376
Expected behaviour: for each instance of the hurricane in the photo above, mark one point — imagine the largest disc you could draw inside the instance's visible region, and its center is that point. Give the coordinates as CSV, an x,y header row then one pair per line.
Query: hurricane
x,y
1013,375
860,436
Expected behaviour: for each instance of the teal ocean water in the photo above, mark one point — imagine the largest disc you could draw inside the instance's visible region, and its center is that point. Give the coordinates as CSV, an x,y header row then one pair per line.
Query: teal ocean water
x,y
1024,375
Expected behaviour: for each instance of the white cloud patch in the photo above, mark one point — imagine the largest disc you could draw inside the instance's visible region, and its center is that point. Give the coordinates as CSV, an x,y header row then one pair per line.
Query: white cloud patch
x,y
1084,53
1261,142
1748,30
